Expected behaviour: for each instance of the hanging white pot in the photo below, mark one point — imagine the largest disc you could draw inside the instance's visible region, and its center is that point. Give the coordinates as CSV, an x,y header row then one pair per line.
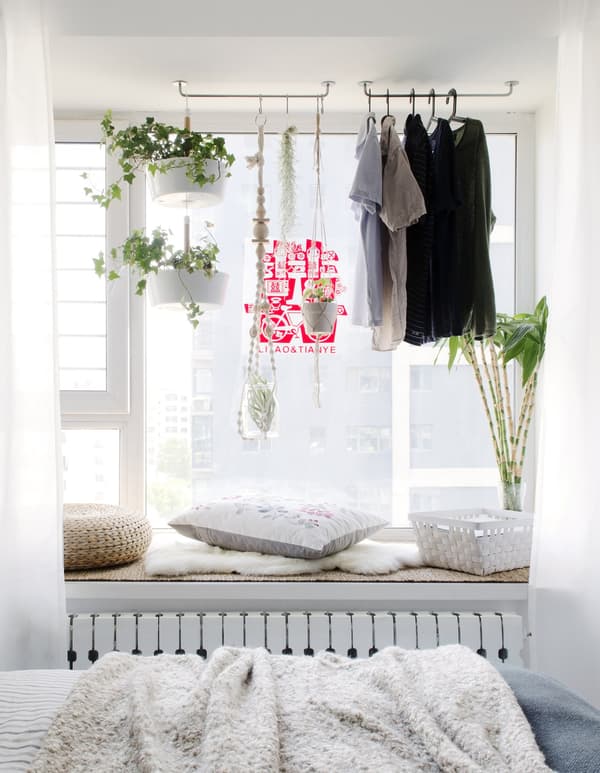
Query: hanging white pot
x,y
319,317
174,188
170,288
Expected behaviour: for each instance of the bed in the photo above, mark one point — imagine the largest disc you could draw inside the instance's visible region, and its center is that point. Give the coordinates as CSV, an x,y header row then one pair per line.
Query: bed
x,y
566,729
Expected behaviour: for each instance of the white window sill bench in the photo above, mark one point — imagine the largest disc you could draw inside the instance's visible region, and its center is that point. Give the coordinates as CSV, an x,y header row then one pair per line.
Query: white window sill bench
x,y
128,589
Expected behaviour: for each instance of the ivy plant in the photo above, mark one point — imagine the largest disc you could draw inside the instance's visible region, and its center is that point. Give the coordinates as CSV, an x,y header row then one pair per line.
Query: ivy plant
x,y
158,147
148,254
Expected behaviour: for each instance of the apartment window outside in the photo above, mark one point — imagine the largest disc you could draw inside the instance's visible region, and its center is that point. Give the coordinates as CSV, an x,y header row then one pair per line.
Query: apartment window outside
x,y
91,465
317,440
385,417
369,380
421,378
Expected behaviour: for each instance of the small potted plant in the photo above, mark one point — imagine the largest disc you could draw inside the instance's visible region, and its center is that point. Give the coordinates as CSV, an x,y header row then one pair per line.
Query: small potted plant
x,y
319,308
185,168
186,277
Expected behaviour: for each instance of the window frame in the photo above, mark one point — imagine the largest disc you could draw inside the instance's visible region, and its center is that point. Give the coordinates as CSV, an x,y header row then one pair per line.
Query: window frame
x,y
124,403
115,399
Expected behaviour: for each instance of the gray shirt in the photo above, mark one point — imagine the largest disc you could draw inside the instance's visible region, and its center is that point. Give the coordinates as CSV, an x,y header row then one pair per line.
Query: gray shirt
x,y
402,205
366,193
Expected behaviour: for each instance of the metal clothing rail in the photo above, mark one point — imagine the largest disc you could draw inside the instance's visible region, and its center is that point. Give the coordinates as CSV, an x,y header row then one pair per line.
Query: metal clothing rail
x,y
431,96
412,94
181,84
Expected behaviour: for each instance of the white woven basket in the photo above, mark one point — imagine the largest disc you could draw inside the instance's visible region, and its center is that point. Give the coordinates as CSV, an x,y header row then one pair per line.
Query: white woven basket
x,y
478,541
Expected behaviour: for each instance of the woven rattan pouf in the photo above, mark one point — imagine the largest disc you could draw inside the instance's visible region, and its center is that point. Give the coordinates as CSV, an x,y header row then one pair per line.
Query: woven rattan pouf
x,y
103,535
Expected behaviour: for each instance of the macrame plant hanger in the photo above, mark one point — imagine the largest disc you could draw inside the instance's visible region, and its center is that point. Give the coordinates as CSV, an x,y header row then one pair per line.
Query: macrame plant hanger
x,y
318,229
259,401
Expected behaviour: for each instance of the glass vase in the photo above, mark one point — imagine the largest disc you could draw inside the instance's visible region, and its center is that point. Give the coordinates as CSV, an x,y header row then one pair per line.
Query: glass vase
x,y
511,495
249,429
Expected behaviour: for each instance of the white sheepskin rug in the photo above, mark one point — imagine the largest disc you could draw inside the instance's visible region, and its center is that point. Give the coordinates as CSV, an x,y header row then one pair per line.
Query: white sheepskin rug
x,y
366,557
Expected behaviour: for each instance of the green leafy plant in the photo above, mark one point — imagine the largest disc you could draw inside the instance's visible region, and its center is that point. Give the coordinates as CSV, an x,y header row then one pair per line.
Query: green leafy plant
x,y
287,177
319,290
158,147
146,255
521,339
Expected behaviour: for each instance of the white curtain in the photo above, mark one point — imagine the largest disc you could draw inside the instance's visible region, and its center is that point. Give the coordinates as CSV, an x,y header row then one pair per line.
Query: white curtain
x,y
32,603
565,585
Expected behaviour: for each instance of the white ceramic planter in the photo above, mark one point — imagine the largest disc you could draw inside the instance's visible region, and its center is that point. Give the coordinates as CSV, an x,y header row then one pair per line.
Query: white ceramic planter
x,y
174,188
170,288
319,317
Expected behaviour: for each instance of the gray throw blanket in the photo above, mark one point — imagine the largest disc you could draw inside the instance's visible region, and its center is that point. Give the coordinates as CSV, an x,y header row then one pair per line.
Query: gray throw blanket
x,y
566,728
246,710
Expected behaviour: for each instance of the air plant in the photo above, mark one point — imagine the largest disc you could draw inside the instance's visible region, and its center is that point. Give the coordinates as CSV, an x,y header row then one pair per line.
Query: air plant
x,y
287,176
262,403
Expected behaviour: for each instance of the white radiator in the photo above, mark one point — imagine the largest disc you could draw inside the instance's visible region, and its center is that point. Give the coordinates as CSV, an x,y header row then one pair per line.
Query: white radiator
x,y
497,636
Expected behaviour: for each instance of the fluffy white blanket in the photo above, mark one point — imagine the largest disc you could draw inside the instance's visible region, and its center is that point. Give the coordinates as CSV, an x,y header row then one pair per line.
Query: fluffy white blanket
x,y
366,557
247,711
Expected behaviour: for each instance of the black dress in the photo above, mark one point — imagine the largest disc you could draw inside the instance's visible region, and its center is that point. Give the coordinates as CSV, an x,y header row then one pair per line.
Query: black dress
x,y
476,309
446,198
419,238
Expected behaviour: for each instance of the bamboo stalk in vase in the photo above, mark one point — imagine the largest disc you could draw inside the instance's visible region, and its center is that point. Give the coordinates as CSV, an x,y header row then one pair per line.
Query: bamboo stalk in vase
x,y
500,434
509,410
528,394
471,354
527,424
502,411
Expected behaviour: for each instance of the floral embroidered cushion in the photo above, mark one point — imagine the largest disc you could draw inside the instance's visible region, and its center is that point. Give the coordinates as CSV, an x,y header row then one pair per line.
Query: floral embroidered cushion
x,y
277,526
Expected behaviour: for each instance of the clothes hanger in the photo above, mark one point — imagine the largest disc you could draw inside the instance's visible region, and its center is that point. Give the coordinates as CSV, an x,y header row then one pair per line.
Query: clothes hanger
x,y
371,115
411,99
387,108
453,117
431,101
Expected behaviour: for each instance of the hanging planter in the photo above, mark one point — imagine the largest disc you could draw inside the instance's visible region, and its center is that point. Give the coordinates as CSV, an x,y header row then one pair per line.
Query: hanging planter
x,y
319,309
260,409
172,276
185,168
258,412
319,317
172,288
174,185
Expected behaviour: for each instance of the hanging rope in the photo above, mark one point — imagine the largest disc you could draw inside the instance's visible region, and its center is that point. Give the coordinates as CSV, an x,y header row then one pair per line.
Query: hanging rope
x,y
318,217
318,225
258,396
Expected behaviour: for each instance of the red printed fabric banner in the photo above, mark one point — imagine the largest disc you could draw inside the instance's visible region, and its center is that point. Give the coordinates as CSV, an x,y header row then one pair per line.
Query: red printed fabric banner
x,y
288,269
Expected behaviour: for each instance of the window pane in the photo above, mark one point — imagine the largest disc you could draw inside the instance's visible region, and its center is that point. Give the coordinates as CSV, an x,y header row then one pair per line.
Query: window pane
x,y
316,453
82,351
91,465
448,423
81,230
82,156
385,443
452,498
70,184
78,251
84,219
80,285
86,318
